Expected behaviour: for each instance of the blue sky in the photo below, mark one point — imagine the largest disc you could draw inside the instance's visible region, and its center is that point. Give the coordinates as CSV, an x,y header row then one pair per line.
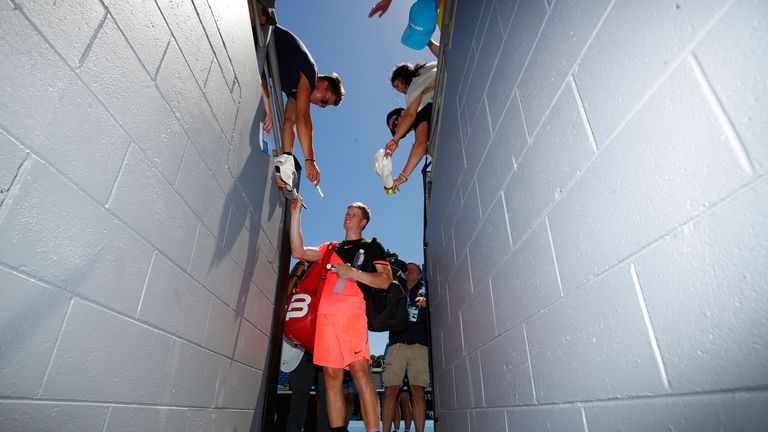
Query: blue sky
x,y
363,51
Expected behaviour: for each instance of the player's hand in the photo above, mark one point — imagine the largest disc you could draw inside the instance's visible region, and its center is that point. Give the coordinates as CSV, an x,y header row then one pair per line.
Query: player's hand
x,y
279,180
296,204
396,184
343,271
399,180
421,302
313,172
381,8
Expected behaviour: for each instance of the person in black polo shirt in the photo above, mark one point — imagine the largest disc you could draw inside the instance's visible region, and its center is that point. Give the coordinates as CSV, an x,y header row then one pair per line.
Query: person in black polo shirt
x,y
407,350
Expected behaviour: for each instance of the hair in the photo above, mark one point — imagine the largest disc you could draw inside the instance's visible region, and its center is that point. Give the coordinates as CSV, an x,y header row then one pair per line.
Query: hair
x,y
417,266
406,72
297,273
334,82
394,113
364,209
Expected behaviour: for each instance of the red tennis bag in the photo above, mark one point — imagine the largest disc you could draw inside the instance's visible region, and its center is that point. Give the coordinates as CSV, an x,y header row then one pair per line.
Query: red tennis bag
x,y
301,312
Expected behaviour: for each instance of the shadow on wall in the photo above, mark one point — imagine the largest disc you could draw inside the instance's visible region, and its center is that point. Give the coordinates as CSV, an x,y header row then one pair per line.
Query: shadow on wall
x,y
250,189
18,328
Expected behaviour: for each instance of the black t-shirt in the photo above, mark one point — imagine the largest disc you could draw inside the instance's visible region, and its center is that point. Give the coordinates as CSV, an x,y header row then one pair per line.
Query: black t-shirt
x,y
373,253
294,60
418,331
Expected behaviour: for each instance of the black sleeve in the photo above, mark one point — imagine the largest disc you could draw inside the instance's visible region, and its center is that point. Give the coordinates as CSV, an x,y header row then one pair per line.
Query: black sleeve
x,y
374,253
377,251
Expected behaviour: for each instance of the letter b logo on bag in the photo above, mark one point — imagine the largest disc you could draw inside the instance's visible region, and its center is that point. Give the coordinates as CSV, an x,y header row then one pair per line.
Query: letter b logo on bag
x,y
301,312
298,307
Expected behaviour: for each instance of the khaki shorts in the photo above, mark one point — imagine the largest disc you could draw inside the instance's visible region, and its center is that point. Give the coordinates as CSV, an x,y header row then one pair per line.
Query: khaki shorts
x,y
401,358
341,339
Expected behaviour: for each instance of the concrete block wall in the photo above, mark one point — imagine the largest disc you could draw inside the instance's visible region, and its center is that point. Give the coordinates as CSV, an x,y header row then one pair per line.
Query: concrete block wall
x,y
138,222
597,236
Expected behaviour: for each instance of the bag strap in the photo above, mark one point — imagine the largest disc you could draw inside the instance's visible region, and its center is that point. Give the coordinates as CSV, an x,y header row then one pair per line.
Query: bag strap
x,y
326,259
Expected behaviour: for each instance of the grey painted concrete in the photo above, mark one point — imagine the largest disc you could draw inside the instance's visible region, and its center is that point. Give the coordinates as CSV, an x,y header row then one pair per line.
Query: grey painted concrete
x,y
597,230
138,230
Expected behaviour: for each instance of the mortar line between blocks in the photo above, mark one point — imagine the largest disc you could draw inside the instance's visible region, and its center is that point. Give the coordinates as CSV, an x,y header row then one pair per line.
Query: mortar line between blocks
x,y
530,52
55,347
652,242
146,282
722,116
208,321
584,419
208,76
216,60
530,365
113,404
118,176
511,19
554,256
124,315
92,41
506,222
498,54
583,113
30,277
194,248
76,73
493,310
23,167
488,117
111,212
128,40
197,84
221,38
625,401
573,69
162,59
175,184
20,9
649,327
673,65
517,159
106,419
506,421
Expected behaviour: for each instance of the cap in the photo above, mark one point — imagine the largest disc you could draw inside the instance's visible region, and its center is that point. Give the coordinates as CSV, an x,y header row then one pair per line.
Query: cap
x,y
383,166
287,167
422,21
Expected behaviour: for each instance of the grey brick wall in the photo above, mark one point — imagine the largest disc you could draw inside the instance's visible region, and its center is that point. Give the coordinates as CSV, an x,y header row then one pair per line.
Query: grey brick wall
x,y
138,230
597,237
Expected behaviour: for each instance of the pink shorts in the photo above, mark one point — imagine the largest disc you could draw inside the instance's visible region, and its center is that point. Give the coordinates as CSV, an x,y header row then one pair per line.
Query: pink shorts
x,y
341,339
